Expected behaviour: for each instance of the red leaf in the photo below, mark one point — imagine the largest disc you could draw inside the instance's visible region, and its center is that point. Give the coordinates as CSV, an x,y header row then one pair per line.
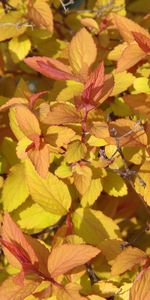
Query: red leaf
x,y
49,67
94,85
142,40
18,249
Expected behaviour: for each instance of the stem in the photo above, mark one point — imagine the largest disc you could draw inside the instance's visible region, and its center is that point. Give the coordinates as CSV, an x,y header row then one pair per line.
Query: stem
x,y
84,126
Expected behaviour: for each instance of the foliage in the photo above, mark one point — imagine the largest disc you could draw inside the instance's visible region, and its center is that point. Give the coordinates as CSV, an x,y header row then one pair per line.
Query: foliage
x,y
75,149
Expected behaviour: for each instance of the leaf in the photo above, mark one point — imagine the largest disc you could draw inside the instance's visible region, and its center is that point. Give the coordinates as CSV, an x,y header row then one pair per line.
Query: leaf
x,y
91,24
130,56
75,152
50,193
139,103
64,258
40,159
60,114
73,89
12,235
32,217
141,85
92,193
59,135
63,171
93,226
69,292
50,67
82,178
143,41
140,289
13,102
114,185
27,121
40,13
122,81
92,89
9,290
127,259
19,47
15,190
126,27
9,25
80,58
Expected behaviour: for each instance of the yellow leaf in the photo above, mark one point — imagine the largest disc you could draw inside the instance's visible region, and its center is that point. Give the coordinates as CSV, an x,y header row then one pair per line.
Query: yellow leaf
x,y
82,56
127,259
82,178
93,226
92,193
31,216
15,190
9,25
63,171
122,82
50,192
14,125
75,152
40,13
91,24
19,47
114,185
105,289
73,89
142,85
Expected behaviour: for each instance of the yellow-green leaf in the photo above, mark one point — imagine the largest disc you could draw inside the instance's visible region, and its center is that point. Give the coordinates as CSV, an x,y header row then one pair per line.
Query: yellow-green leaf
x,y
15,190
122,82
92,193
31,216
75,152
19,47
114,185
50,192
93,226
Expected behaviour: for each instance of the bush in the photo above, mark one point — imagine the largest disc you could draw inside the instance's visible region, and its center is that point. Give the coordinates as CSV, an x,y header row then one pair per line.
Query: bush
x,y
74,152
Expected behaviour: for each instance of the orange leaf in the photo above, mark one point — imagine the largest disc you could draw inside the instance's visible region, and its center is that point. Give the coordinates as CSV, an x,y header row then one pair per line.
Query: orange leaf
x,y
13,102
127,259
69,292
40,159
126,26
28,123
130,56
60,113
10,290
66,257
141,286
